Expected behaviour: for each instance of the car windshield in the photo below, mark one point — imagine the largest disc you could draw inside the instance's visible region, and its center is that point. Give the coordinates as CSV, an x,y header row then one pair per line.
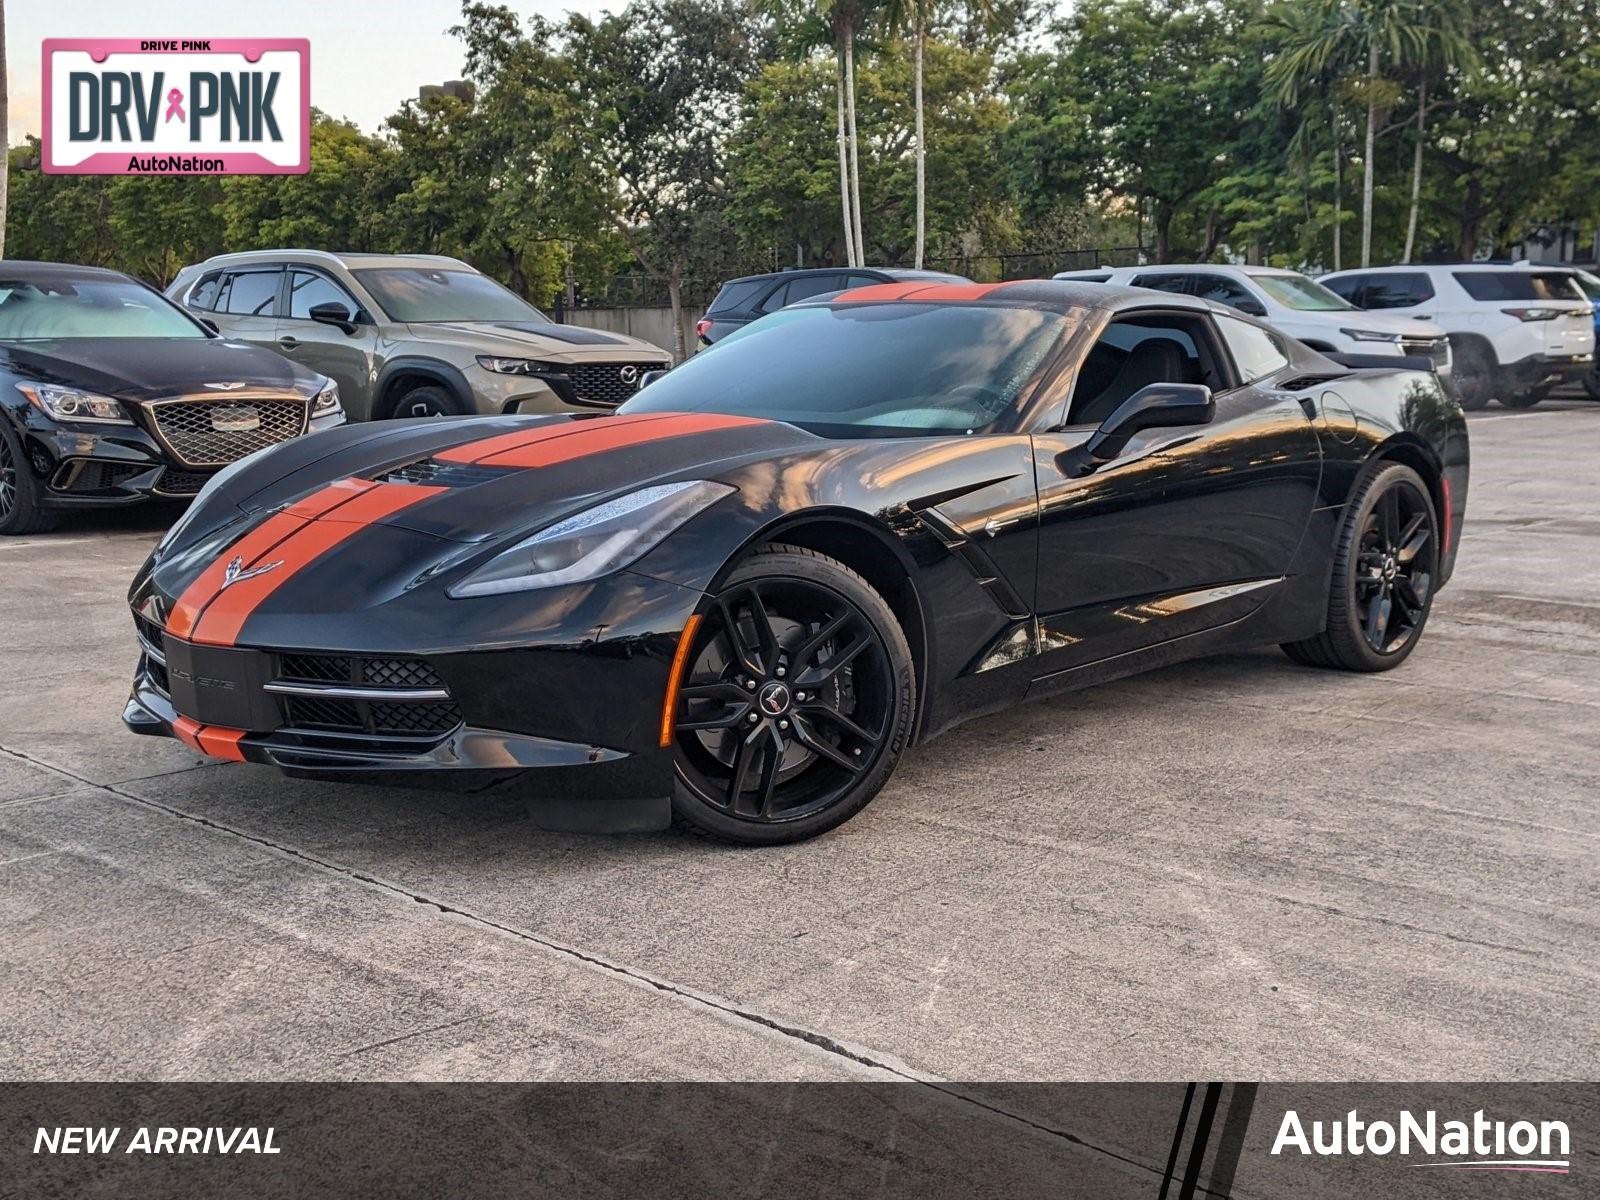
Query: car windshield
x,y
1588,284
871,370
55,309
430,294
1296,291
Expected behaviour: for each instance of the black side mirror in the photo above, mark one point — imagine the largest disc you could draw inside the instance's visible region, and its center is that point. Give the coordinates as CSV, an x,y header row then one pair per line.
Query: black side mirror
x,y
210,324
1155,406
1250,306
333,313
649,377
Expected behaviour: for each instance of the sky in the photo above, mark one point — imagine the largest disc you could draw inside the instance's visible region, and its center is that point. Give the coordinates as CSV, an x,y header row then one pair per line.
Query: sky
x,y
366,55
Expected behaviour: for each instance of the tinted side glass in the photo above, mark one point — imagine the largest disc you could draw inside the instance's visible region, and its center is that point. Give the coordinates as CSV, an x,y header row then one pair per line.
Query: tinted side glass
x,y
1346,286
1163,282
736,295
1222,289
813,285
776,300
1396,291
1255,351
251,293
204,293
1518,285
307,290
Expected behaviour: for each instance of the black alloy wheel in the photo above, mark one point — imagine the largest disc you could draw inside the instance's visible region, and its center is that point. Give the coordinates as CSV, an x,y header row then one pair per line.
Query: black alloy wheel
x,y
429,401
20,509
1383,576
796,702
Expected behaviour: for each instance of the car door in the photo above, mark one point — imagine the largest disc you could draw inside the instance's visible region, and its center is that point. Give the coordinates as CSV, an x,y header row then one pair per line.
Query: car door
x,y
246,304
1188,528
348,358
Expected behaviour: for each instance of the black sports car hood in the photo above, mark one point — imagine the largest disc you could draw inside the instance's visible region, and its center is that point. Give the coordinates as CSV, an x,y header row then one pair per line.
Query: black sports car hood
x,y
485,479
146,368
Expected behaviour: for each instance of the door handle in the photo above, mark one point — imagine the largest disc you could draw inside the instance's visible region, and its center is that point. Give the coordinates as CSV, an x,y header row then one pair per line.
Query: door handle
x,y
288,342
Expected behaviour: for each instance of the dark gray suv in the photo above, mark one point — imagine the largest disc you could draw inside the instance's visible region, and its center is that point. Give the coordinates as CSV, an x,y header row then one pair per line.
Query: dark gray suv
x,y
753,296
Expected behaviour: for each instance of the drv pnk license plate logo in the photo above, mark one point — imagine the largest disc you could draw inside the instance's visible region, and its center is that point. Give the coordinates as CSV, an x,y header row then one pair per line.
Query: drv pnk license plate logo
x,y
208,106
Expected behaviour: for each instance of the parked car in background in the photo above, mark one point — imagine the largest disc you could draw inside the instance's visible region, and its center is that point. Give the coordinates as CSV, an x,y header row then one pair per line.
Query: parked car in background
x,y
1515,331
111,394
414,335
1289,301
1589,284
750,297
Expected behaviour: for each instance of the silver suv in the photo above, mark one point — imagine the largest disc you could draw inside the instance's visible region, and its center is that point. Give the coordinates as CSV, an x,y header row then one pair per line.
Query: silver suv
x,y
413,335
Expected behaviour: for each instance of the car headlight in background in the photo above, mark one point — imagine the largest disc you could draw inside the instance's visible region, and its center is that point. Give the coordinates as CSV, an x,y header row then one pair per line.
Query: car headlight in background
x,y
327,400
514,366
1370,335
595,542
1537,314
72,404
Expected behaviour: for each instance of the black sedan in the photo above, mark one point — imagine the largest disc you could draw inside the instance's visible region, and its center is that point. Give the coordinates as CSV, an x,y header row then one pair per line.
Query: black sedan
x,y
111,394
738,601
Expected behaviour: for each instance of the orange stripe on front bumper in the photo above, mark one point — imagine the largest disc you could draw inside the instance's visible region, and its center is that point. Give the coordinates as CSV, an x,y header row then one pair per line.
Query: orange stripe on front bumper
x,y
224,617
187,730
217,741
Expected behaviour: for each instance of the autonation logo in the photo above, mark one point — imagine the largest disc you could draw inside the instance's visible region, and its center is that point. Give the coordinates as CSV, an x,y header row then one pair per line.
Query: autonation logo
x,y
1476,1145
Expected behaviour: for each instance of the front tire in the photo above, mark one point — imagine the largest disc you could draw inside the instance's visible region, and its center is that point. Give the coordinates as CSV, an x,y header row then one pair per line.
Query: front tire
x,y
1523,399
21,504
429,400
1472,373
796,704
1385,564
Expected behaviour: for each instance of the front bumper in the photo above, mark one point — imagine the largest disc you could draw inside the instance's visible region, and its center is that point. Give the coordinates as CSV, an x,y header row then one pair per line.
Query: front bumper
x,y
109,466
1548,370
571,721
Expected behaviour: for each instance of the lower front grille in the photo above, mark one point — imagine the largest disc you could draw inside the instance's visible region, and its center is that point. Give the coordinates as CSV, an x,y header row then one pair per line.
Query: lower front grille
x,y
203,432
89,475
380,718
181,483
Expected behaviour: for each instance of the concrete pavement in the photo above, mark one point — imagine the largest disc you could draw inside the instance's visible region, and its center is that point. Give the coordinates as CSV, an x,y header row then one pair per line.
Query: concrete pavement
x,y
1237,868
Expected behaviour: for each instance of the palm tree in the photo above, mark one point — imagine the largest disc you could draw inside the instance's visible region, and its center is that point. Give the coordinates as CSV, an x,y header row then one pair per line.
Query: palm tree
x,y
1327,36
1447,46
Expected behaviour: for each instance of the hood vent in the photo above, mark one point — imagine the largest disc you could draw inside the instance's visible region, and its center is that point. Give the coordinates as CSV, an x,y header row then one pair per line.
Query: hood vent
x,y
433,473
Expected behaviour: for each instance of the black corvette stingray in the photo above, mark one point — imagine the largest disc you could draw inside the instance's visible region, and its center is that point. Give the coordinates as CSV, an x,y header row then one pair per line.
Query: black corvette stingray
x,y
847,527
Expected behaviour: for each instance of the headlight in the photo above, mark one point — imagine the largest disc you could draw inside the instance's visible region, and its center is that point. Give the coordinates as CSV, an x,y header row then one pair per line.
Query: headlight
x,y
513,366
1370,335
595,542
70,404
1537,314
327,400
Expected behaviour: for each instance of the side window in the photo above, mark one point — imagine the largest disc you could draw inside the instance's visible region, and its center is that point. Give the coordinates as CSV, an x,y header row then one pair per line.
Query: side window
x,y
776,300
1163,281
1132,354
204,294
1346,287
1224,291
1256,352
307,290
250,294
812,285
1399,290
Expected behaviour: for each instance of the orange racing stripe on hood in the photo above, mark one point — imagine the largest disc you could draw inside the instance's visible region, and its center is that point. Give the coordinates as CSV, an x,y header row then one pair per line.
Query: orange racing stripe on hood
x,y
475,452
918,292
224,617
607,436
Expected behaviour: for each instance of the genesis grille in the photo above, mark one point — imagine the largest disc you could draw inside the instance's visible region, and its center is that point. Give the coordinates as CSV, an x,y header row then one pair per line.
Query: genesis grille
x,y
213,433
602,383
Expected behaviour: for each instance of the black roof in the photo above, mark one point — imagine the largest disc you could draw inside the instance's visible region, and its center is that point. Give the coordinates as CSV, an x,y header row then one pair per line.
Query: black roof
x,y
888,274
23,269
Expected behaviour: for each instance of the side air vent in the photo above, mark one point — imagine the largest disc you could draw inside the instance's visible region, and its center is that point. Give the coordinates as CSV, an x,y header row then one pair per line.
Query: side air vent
x,y
1302,383
433,473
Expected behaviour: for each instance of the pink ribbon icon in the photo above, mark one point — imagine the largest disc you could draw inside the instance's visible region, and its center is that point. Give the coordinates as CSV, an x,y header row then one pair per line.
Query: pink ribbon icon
x,y
175,105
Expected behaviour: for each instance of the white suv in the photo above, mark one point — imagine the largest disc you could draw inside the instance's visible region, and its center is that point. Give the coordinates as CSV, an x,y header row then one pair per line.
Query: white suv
x,y
1291,302
1515,332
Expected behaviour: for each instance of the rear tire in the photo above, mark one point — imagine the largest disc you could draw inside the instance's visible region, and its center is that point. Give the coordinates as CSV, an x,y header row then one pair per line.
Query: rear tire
x,y
1525,399
21,502
1472,375
1591,383
1385,563
797,702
